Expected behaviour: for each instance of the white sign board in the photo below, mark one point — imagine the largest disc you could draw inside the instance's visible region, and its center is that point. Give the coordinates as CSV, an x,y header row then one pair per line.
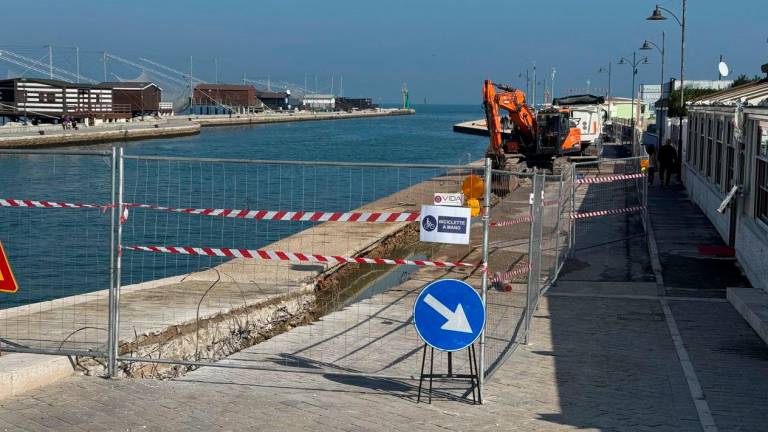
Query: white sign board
x,y
441,224
449,199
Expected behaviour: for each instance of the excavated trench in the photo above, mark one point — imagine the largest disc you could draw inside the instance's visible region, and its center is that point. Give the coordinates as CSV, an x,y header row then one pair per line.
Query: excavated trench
x,y
214,337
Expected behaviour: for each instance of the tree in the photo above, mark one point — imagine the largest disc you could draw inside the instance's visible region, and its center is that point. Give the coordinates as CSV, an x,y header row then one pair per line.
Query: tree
x,y
744,79
690,94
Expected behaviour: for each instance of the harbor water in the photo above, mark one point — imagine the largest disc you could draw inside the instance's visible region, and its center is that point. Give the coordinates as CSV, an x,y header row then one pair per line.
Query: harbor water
x,y
60,252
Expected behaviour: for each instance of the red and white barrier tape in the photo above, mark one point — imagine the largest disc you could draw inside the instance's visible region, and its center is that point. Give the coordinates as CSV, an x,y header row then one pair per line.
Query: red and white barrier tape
x,y
298,216
520,270
610,178
610,212
510,222
291,256
50,204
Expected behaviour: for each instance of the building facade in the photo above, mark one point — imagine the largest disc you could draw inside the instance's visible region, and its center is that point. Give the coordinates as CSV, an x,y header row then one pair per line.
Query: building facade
x,y
227,95
275,100
349,104
726,146
319,102
142,98
50,100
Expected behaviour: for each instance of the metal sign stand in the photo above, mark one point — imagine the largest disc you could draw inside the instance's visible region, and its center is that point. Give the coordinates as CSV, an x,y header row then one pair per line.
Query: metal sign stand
x,y
473,376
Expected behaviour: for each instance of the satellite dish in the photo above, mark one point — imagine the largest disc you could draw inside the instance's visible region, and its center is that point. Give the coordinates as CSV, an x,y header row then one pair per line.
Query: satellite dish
x,y
723,68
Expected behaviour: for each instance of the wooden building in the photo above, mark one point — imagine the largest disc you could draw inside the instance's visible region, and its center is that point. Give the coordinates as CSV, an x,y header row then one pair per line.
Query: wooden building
x,y
143,98
349,104
228,95
50,100
274,100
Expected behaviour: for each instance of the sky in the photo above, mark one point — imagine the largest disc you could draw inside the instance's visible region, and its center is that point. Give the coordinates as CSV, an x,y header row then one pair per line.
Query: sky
x,y
442,50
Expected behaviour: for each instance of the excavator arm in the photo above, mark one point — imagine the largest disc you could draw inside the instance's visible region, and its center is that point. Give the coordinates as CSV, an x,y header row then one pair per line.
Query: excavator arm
x,y
495,150
521,115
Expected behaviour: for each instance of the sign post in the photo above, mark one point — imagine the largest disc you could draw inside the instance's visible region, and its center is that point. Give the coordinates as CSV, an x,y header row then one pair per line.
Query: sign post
x,y
449,315
7,280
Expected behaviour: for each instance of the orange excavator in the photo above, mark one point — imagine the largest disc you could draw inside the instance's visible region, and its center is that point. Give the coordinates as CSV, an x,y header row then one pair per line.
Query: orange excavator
x,y
536,135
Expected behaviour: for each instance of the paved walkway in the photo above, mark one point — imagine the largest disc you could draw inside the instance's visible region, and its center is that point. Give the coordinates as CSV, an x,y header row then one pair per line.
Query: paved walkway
x,y
680,227
605,355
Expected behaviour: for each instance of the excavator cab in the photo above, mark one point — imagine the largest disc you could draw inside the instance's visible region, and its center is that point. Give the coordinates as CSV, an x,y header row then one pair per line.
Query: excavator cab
x,y
556,134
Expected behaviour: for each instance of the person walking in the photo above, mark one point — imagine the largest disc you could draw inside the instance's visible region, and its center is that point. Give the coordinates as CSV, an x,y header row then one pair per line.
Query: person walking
x,y
667,162
653,162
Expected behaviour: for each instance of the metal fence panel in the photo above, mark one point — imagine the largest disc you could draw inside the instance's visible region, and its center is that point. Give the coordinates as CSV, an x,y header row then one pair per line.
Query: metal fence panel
x,y
343,317
508,265
57,236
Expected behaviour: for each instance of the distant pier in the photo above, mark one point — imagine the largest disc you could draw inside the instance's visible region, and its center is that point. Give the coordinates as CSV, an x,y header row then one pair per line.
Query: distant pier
x,y
54,135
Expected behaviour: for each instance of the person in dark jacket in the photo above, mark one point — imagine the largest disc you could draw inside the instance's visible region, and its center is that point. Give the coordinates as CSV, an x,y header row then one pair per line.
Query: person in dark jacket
x,y
667,162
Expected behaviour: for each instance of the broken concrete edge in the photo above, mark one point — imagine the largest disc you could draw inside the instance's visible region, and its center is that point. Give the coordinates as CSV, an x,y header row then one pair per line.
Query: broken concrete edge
x,y
214,337
20,373
752,304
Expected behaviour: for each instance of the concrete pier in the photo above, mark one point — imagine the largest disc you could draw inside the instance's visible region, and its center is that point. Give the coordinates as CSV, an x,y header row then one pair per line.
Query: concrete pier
x,y
49,136
285,117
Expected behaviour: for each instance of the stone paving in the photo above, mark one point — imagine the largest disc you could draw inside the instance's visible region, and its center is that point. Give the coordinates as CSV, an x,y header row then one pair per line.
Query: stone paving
x,y
594,364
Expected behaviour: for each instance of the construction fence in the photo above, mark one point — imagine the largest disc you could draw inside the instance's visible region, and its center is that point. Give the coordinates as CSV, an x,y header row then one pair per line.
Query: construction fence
x,y
159,265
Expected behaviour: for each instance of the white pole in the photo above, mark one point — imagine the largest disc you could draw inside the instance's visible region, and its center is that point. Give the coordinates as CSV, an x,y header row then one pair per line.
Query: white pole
x,y
50,59
77,60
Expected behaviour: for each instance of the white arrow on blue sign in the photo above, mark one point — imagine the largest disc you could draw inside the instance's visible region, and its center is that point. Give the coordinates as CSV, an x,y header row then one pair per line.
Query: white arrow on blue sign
x,y
449,315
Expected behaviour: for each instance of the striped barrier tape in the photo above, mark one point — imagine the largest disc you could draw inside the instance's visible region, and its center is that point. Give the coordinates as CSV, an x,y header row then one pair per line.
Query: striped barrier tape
x,y
298,216
51,204
291,256
510,222
520,270
610,212
608,179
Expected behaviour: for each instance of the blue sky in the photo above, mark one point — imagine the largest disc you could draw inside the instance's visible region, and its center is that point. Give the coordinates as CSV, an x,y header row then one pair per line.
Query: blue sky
x,y
441,49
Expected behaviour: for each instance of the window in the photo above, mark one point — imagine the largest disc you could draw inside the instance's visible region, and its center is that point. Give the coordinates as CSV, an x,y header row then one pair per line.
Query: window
x,y
710,144
702,140
730,152
718,162
761,171
691,136
47,97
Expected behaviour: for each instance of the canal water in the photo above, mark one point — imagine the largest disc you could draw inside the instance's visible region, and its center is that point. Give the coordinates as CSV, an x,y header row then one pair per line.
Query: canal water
x,y
61,252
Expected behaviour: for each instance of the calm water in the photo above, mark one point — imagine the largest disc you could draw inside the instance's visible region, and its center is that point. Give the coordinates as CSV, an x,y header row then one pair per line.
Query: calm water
x,y
56,253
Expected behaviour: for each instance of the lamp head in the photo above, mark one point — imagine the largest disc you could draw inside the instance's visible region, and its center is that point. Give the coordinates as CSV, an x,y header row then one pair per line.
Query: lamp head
x,y
645,60
646,45
656,15
622,61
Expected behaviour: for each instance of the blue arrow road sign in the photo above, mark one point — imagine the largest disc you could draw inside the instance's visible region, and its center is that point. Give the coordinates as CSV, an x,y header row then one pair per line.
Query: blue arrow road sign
x,y
449,315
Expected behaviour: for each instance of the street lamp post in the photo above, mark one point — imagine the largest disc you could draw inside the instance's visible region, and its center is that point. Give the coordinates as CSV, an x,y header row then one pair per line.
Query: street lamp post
x,y
657,16
647,45
527,81
608,70
634,63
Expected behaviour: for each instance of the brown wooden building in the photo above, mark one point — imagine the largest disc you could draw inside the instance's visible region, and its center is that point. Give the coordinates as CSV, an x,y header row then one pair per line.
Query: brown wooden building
x,y
231,95
143,98
47,99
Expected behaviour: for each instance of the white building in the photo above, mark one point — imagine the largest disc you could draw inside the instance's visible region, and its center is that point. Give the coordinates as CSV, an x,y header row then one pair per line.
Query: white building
x,y
726,145
319,102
